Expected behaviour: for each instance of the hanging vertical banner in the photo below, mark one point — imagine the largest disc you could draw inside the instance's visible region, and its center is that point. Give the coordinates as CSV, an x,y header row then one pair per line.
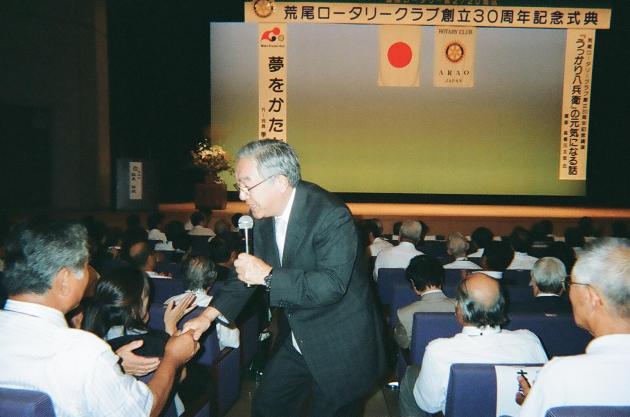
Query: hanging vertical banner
x,y
454,57
135,180
272,81
576,99
399,62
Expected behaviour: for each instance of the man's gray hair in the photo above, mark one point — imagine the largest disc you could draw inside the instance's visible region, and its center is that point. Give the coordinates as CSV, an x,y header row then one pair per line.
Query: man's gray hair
x,y
549,274
36,252
605,265
273,157
457,245
411,231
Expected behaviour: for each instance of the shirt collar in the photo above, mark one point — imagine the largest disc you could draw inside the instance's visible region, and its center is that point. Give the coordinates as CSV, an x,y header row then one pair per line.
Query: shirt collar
x,y
461,258
284,217
546,294
493,274
49,314
606,344
432,292
409,244
480,331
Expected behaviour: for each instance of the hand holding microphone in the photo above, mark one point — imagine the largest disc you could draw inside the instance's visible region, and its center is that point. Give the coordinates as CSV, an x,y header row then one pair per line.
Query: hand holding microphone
x,y
251,270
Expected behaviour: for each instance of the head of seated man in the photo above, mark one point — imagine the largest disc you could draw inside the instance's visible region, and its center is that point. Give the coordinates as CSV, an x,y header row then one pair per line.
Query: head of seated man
x,y
45,277
599,290
425,273
548,276
457,246
410,231
497,256
480,302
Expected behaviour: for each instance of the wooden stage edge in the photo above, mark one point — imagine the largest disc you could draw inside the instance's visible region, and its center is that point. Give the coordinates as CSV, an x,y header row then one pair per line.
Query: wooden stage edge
x,y
368,210
448,218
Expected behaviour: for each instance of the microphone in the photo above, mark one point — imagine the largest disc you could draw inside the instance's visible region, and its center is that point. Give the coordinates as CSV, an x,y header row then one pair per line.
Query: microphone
x,y
246,223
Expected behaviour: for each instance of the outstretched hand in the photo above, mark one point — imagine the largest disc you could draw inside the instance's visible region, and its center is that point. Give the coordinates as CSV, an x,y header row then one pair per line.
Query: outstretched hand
x,y
174,313
134,364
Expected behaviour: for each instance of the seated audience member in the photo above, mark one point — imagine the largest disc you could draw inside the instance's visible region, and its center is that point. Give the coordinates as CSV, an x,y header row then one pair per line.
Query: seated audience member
x,y
496,257
600,297
548,276
480,309
587,229
374,232
119,313
199,223
234,219
457,247
426,276
564,252
541,236
142,257
574,239
154,224
521,244
223,252
222,227
396,231
199,276
176,234
481,237
399,256
45,277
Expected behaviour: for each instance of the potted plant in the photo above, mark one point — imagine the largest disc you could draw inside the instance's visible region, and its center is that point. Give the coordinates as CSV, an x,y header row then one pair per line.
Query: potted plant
x,y
211,160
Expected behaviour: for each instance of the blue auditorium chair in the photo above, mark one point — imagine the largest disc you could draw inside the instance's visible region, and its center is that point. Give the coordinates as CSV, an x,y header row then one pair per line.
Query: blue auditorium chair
x,y
402,296
25,403
521,277
165,288
558,334
472,390
387,279
589,411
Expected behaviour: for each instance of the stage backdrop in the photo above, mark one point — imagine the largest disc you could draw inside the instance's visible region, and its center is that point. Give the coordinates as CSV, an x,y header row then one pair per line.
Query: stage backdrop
x,y
500,137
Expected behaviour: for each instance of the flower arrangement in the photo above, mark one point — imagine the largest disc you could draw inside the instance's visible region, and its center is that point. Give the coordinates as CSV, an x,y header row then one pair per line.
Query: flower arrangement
x,y
212,159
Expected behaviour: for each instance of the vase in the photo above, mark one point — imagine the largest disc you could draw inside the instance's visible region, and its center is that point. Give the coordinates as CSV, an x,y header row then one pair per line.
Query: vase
x,y
210,194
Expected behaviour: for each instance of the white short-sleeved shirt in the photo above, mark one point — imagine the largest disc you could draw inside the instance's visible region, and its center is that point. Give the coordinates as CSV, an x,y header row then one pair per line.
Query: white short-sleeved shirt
x,y
378,245
462,263
75,368
472,345
598,377
395,257
522,261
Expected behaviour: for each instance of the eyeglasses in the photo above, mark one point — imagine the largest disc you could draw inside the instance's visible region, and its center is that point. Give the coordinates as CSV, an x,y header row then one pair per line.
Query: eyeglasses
x,y
570,283
246,190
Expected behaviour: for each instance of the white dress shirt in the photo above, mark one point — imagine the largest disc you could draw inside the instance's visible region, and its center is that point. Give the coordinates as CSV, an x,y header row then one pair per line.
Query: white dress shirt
x,y
228,336
378,245
199,230
472,345
477,254
156,234
462,263
395,257
75,368
598,377
522,261
492,274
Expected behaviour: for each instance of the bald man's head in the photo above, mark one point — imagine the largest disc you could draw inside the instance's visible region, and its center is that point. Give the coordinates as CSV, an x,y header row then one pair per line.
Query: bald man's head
x,y
481,301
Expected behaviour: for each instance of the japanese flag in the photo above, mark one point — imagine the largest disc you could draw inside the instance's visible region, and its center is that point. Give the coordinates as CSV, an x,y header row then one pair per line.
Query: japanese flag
x,y
399,64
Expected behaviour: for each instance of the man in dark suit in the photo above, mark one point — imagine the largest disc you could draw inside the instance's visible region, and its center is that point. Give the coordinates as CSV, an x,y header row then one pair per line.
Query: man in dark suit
x,y
308,256
548,275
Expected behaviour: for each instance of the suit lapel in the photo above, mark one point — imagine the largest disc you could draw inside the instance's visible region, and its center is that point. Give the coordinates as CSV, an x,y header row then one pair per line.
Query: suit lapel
x,y
296,227
266,247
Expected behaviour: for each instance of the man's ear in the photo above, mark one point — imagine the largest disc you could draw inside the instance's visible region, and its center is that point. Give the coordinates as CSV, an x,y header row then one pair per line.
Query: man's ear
x,y
594,299
61,282
283,182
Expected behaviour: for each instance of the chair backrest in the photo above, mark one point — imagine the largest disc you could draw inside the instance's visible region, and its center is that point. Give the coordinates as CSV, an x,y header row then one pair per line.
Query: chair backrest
x,y
427,327
520,277
387,278
435,248
164,288
518,293
589,411
25,403
559,334
452,277
402,296
472,390
174,269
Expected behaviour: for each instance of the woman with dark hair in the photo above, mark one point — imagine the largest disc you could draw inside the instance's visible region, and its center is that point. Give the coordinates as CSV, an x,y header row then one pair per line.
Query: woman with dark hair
x,y
119,311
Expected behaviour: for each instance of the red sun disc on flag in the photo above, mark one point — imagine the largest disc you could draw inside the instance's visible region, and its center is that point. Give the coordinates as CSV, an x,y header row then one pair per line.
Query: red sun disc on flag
x,y
399,54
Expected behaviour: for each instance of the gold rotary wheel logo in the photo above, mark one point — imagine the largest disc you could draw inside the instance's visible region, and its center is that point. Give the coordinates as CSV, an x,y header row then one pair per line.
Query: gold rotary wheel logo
x,y
454,52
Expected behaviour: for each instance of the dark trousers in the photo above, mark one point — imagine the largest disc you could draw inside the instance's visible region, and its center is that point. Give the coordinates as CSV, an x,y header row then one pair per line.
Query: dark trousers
x,y
287,386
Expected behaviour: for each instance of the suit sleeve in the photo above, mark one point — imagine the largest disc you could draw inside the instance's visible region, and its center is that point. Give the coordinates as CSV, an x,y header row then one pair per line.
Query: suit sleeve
x,y
232,297
334,252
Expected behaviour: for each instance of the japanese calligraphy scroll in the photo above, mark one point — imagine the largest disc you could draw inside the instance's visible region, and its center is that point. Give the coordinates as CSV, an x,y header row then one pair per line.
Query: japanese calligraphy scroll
x,y
454,57
399,61
272,81
135,180
487,15
576,94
